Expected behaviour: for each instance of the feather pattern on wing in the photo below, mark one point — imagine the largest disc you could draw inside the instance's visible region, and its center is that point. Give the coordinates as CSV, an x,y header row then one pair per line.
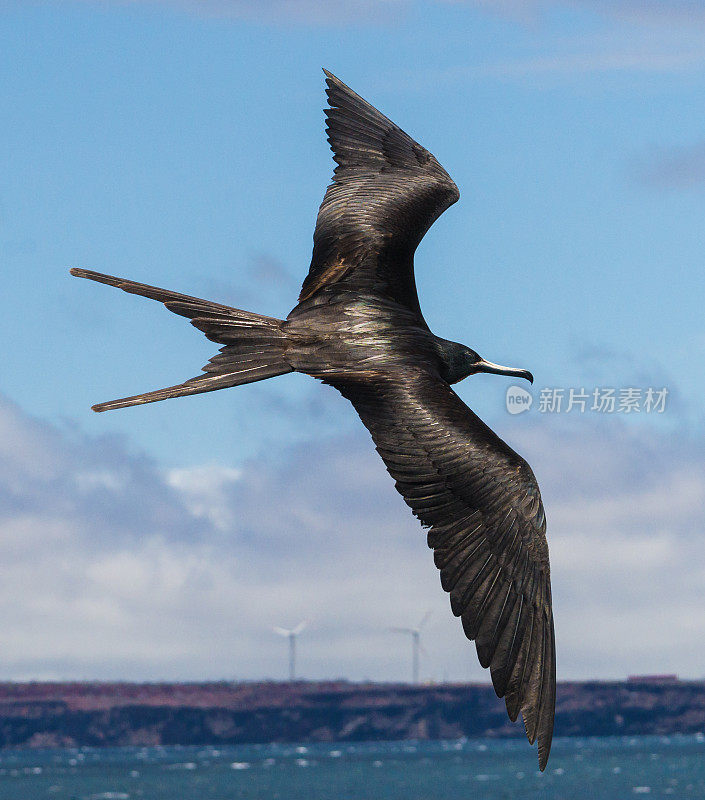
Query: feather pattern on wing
x,y
386,193
486,523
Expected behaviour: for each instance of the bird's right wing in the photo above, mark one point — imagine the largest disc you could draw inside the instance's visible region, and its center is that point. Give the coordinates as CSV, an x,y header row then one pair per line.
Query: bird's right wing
x,y
487,528
386,193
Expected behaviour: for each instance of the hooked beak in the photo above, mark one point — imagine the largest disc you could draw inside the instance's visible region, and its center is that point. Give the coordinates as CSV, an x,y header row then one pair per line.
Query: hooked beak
x,y
498,369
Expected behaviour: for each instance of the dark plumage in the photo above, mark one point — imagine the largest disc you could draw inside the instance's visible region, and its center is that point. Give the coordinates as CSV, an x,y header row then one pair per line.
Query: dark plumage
x,y
358,327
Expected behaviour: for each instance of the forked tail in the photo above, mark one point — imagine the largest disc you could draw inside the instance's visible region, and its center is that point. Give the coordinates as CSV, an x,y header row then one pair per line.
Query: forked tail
x,y
254,345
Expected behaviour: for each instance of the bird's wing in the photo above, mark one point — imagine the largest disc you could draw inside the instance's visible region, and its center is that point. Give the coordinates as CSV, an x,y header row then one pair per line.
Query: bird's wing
x,y
487,528
386,193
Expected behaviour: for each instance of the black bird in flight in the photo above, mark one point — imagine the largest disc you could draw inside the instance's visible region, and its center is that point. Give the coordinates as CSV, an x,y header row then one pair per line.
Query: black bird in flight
x,y
358,327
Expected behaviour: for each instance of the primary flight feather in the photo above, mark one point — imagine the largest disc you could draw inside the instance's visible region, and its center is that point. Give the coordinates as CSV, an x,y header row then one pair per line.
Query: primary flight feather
x,y
358,327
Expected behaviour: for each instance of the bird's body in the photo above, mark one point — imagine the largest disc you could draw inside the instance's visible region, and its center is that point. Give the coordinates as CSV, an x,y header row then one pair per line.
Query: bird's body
x,y
349,338
358,326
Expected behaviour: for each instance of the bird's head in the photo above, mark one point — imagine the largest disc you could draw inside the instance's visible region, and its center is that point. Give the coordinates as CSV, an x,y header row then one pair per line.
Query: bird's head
x,y
461,361
476,364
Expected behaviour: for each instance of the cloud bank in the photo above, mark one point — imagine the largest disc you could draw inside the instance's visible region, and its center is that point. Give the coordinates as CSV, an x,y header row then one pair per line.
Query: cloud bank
x,y
114,568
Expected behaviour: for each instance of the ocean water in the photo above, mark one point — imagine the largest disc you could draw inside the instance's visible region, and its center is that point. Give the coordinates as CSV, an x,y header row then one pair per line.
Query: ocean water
x,y
603,769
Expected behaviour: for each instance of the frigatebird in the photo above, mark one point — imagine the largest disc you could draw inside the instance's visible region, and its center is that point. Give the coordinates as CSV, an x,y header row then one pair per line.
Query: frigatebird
x,y
358,327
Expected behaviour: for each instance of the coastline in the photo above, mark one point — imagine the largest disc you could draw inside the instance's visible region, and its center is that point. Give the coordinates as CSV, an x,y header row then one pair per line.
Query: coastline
x,y
113,714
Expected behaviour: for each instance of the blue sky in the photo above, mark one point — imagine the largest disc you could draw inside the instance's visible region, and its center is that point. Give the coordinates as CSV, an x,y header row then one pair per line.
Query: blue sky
x,y
182,144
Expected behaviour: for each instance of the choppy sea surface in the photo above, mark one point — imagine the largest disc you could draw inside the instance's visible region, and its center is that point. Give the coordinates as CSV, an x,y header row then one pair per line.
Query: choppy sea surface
x,y
603,769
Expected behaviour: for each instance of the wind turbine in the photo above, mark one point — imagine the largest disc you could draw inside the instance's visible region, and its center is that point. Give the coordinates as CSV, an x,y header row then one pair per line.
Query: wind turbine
x,y
415,634
291,634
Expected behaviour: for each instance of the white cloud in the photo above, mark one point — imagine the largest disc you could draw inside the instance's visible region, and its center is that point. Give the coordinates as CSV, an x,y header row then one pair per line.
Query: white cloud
x,y
204,489
625,508
140,573
567,39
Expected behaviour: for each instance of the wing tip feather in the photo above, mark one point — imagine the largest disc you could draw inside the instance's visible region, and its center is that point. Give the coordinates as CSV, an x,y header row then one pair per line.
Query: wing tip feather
x,y
92,275
538,713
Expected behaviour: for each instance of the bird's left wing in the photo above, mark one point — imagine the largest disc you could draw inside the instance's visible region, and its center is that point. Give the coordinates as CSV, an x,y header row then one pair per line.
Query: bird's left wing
x,y
487,528
386,193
